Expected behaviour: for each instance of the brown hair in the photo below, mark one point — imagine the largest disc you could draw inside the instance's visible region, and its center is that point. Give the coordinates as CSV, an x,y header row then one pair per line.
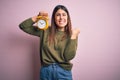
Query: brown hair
x,y
53,27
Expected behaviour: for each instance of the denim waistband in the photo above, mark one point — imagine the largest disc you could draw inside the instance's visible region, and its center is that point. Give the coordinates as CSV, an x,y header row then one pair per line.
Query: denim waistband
x,y
54,64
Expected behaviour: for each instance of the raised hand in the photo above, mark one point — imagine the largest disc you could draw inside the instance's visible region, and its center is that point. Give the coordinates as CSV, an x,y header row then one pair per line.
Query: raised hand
x,y
41,13
75,33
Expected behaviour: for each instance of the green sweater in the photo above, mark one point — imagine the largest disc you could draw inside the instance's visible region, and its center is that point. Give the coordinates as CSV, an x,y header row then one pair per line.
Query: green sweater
x,y
61,52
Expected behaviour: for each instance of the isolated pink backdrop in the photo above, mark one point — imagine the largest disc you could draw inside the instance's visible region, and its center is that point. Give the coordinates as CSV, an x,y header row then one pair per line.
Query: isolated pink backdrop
x,y
98,54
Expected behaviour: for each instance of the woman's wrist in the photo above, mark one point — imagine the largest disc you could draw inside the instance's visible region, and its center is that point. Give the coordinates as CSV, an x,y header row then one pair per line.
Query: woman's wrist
x,y
34,18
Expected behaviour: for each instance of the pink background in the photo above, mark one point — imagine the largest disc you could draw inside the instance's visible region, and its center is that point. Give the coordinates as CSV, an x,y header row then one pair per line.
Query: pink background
x,y
98,54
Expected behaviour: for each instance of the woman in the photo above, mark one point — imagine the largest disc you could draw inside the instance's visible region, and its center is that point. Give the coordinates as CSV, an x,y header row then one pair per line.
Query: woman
x,y
58,44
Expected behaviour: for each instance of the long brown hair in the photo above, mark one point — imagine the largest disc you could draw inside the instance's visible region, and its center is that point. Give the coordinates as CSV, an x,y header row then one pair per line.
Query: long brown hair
x,y
53,27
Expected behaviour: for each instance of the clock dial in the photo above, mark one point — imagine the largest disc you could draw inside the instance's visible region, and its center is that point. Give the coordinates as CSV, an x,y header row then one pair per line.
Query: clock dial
x,y
41,23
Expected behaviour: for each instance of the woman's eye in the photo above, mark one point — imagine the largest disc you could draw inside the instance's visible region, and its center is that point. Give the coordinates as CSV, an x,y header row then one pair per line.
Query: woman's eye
x,y
57,14
64,14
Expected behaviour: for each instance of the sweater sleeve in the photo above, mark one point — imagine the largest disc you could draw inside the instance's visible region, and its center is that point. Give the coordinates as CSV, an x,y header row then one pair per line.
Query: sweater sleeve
x,y
70,50
27,26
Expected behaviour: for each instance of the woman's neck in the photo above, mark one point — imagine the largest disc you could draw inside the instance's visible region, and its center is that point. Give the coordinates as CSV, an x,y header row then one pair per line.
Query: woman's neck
x,y
61,29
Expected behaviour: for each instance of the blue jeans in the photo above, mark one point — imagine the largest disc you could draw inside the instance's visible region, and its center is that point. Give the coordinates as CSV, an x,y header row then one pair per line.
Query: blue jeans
x,y
54,72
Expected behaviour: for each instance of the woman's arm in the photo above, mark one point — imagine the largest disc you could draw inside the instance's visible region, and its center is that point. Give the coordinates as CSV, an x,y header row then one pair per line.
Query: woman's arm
x,y
71,46
27,26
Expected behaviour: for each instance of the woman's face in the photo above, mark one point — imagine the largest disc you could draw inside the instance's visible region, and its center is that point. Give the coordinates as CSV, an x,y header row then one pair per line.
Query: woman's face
x,y
61,19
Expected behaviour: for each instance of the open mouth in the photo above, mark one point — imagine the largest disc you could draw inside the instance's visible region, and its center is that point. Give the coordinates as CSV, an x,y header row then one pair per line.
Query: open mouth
x,y
61,22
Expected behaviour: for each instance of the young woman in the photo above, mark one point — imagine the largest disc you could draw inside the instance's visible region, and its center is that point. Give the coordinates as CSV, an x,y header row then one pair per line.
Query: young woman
x,y
58,44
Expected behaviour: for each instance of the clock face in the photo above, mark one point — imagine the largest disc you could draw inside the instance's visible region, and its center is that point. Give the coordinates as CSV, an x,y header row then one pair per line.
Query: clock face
x,y
41,23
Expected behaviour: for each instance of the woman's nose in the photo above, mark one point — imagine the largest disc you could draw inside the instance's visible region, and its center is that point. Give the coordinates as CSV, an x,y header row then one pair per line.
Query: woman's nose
x,y
61,16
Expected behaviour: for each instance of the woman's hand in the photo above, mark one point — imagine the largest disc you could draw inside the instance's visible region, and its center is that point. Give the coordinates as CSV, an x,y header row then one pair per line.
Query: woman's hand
x,y
75,33
42,13
34,18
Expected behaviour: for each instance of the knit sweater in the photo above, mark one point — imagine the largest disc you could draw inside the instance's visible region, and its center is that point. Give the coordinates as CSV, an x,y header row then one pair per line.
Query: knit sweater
x,y
61,52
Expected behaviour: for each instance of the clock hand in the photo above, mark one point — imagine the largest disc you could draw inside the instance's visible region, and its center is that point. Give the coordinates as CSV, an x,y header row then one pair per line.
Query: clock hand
x,y
41,23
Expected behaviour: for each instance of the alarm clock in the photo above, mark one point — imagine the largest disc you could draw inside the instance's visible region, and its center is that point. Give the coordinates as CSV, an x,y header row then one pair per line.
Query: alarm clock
x,y
42,22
